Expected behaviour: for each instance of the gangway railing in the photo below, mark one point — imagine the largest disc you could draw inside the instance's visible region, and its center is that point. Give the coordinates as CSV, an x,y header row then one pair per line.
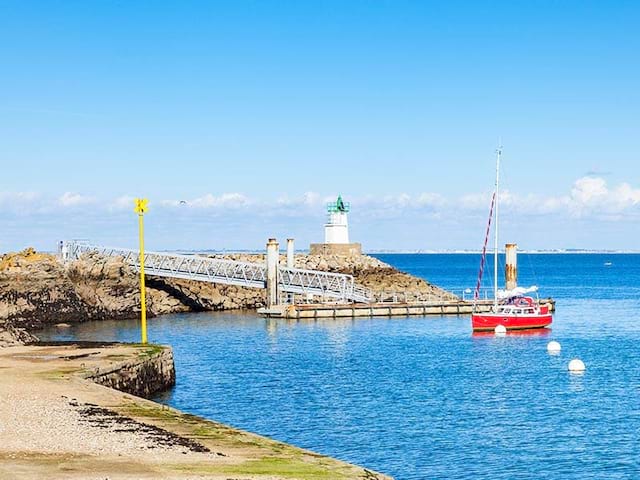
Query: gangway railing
x,y
228,272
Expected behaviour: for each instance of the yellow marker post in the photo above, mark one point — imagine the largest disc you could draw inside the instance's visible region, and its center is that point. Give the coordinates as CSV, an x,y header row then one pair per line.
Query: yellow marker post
x,y
141,208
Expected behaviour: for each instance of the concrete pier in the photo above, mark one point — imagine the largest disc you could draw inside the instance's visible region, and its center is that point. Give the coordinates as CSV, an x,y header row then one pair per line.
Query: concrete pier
x,y
387,309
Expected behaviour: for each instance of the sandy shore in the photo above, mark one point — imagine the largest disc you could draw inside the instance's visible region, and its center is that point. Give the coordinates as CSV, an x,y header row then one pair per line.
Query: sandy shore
x,y
55,424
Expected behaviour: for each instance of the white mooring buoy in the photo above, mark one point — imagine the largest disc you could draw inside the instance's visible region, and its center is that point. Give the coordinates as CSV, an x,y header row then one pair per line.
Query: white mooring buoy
x,y
500,330
553,347
576,365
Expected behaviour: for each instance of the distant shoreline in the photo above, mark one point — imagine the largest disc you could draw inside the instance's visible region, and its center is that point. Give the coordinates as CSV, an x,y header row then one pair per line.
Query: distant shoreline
x,y
478,252
425,252
405,252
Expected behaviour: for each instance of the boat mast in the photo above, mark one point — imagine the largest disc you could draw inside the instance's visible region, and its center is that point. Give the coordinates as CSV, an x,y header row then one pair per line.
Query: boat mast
x,y
495,237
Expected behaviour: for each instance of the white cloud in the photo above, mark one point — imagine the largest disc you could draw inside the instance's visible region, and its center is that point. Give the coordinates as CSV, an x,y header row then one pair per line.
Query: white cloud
x,y
588,191
229,200
20,202
475,201
430,199
308,199
14,198
626,196
311,199
123,202
588,197
69,199
401,201
592,196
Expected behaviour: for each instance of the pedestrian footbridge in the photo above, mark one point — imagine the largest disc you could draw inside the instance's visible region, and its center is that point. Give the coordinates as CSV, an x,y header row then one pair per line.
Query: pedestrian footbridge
x,y
228,272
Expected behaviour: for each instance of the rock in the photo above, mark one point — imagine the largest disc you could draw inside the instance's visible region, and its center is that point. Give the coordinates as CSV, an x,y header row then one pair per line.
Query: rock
x,y
36,289
11,336
381,278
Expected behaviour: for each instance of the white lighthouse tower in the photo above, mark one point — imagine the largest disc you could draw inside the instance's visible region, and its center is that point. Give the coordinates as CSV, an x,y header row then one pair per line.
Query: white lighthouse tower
x,y
336,232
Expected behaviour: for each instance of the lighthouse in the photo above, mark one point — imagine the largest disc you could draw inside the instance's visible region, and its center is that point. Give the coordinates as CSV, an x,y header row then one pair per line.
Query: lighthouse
x,y
336,232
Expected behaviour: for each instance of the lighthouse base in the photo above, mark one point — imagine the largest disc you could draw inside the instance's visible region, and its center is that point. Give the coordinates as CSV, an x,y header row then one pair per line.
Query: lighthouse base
x,y
342,249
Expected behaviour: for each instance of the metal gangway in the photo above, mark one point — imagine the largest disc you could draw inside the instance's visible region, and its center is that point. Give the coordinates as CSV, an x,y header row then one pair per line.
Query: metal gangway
x,y
227,272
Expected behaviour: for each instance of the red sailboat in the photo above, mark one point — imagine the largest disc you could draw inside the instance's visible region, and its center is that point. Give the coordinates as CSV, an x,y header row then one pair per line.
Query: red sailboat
x,y
513,308
515,313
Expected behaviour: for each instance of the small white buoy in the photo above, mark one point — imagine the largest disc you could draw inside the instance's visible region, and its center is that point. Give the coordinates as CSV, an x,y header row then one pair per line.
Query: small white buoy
x,y
553,347
576,365
500,330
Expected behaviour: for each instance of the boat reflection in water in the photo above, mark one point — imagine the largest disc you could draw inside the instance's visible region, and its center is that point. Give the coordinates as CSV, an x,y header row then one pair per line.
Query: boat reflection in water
x,y
531,332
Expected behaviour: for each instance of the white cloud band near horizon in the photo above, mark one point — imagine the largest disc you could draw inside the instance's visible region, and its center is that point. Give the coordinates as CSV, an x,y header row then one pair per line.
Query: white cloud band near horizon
x,y
576,217
588,196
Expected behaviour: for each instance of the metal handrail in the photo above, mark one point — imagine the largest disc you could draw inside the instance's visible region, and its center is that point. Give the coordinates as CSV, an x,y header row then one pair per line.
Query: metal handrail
x,y
228,272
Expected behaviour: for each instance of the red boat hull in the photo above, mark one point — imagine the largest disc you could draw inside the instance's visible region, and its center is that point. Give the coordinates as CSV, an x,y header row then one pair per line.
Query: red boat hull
x,y
489,321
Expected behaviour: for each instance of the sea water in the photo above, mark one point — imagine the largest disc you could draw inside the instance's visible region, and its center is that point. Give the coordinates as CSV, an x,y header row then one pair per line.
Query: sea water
x,y
422,397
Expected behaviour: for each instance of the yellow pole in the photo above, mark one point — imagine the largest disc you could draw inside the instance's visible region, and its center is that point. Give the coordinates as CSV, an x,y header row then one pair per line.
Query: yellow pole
x,y
141,208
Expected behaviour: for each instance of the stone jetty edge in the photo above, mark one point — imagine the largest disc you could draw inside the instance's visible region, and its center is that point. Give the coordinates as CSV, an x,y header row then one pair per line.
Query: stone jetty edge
x,y
103,380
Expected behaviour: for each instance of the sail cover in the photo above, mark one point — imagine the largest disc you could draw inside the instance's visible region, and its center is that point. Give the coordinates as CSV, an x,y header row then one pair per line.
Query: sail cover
x,y
516,292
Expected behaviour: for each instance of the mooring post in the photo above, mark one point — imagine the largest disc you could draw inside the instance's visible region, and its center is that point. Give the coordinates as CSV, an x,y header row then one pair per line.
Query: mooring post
x,y
290,264
511,267
273,258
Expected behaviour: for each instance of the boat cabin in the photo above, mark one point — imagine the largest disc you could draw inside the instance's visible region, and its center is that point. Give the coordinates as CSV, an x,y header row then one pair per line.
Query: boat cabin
x,y
511,310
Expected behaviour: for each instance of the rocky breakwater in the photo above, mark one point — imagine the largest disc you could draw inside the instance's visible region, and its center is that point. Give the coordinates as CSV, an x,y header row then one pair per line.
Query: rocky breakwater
x,y
36,289
384,281
31,289
203,296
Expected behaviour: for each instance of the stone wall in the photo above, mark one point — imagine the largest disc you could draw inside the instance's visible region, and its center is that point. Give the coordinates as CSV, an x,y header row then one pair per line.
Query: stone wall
x,y
153,370
343,249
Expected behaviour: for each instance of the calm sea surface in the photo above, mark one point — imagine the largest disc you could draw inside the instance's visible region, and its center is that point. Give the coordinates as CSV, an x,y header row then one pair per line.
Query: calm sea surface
x,y
422,398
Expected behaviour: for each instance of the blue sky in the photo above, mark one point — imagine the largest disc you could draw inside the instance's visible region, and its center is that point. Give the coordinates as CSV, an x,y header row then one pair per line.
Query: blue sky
x,y
257,112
